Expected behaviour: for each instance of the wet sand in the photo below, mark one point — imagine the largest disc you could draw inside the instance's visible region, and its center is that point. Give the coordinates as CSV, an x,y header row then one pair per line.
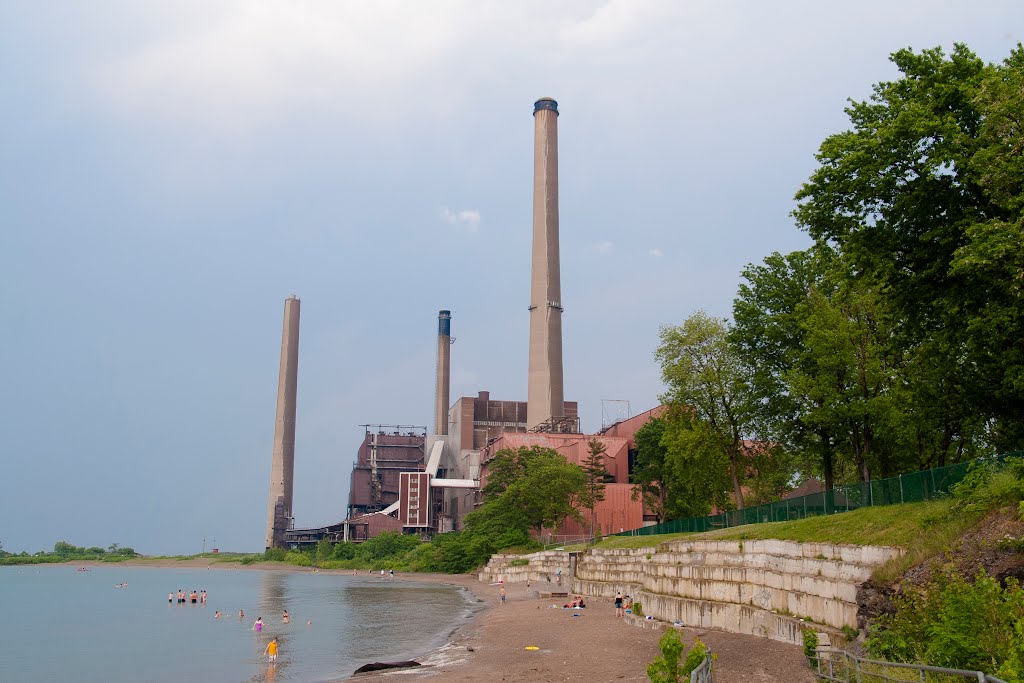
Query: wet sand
x,y
594,646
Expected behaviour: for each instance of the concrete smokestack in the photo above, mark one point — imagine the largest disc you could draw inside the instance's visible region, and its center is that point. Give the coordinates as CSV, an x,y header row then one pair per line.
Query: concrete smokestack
x,y
545,391
279,509
443,385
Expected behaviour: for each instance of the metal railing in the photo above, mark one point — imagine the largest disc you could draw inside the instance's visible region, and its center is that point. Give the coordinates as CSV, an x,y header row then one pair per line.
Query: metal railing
x,y
913,487
702,674
830,664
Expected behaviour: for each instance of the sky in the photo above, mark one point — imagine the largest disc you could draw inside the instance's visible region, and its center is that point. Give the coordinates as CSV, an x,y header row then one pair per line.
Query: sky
x,y
170,172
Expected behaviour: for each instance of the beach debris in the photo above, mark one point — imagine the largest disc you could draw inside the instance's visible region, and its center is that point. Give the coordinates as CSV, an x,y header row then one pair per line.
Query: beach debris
x,y
531,647
383,666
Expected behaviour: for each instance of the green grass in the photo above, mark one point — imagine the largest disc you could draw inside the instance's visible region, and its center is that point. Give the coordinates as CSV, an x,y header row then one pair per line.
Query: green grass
x,y
923,530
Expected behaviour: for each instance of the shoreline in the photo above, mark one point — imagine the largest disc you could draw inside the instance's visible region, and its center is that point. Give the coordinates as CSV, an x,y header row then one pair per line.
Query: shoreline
x,y
490,645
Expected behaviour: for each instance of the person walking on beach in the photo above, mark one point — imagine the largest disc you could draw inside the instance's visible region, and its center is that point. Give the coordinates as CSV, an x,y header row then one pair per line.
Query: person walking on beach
x,y
271,650
502,594
618,604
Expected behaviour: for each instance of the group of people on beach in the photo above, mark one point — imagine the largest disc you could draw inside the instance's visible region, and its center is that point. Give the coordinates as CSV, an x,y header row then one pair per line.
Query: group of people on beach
x,y
195,597
577,603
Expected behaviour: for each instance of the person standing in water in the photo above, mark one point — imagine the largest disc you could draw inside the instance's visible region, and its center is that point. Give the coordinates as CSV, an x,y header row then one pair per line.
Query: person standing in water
x,y
285,618
258,626
271,650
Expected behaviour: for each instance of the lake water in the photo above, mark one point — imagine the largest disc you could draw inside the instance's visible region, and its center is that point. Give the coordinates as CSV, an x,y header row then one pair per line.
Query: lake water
x,y
63,625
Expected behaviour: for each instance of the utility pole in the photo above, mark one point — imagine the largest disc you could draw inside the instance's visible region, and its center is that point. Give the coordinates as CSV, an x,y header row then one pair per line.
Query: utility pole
x,y
204,545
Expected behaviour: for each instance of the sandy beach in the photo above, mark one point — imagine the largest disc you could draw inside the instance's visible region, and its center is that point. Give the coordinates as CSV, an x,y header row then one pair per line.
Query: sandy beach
x,y
593,646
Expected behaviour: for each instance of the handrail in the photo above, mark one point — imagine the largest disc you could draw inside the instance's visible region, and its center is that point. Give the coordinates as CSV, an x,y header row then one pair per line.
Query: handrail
x,y
833,653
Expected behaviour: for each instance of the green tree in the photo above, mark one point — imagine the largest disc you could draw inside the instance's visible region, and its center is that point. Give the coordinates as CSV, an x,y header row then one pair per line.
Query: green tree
x,y
596,476
923,195
538,482
65,549
770,312
649,476
324,552
703,371
697,466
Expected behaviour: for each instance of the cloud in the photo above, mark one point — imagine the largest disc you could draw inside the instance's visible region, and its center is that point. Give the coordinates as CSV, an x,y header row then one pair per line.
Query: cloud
x,y
655,252
615,23
467,219
600,248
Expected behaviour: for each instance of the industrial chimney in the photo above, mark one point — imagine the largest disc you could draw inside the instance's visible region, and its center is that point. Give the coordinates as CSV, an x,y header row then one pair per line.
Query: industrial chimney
x,y
279,509
442,387
545,398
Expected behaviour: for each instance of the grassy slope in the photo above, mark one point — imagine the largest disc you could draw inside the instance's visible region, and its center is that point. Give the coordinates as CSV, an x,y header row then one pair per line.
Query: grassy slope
x,y
922,529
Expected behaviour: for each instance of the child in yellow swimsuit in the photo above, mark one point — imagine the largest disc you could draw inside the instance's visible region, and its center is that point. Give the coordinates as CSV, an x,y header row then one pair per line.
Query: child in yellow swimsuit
x,y
272,650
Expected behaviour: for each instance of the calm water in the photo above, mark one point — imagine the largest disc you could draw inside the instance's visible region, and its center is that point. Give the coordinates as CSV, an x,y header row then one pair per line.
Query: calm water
x,y
62,625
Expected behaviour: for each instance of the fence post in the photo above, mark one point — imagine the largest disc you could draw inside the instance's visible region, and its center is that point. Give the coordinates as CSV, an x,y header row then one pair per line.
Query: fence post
x,y
901,488
934,490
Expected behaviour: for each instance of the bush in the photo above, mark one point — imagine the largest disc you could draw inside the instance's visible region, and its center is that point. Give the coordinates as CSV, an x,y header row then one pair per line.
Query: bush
x,y
638,609
666,667
954,623
810,644
989,485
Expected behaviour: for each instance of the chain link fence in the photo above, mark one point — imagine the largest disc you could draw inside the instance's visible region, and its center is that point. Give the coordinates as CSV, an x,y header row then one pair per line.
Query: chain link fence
x,y
913,487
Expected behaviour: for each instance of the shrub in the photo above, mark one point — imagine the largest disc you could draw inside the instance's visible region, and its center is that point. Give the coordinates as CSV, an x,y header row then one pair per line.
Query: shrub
x,y
666,667
954,623
810,644
638,609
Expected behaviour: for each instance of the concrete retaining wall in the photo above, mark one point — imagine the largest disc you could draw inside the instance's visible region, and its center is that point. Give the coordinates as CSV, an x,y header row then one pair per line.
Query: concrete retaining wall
x,y
541,568
766,588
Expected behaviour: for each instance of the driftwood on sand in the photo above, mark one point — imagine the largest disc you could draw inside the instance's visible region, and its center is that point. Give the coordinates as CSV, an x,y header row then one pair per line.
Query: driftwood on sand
x,y
381,666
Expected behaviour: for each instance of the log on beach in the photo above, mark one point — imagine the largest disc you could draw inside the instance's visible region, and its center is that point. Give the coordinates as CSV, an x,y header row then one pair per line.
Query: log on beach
x,y
381,666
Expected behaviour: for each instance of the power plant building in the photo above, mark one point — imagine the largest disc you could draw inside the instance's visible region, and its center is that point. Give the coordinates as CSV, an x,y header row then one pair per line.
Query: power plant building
x,y
406,479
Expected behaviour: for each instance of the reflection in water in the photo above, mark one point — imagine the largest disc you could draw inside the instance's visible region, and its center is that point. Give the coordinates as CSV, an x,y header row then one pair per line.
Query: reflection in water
x,y
274,596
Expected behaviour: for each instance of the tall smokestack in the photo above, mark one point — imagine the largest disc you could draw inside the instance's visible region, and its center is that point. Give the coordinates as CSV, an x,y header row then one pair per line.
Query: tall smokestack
x,y
545,392
442,388
279,510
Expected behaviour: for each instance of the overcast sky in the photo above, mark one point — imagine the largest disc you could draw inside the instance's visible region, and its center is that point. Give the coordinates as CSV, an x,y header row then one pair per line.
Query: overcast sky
x,y
171,171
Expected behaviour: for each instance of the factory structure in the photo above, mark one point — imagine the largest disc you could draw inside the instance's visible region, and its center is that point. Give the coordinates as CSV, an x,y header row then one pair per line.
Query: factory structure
x,y
415,479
